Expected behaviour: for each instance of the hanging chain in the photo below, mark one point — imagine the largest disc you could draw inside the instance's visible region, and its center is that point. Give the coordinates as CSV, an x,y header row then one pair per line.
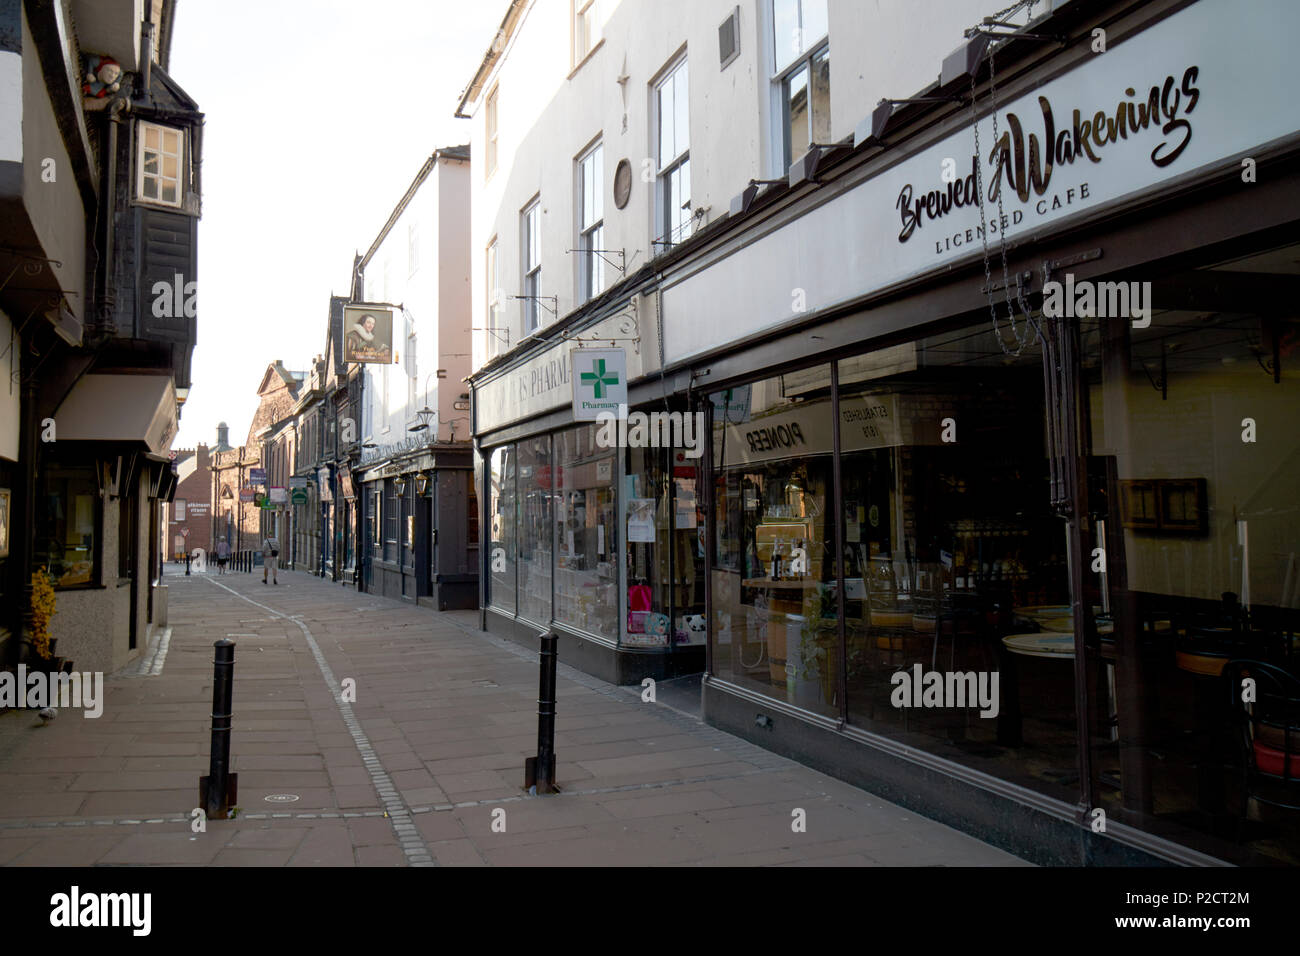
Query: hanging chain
x,y
1027,331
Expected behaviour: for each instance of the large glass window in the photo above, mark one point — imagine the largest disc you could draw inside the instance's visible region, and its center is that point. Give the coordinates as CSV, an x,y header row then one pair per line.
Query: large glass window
x,y
586,547
954,561
69,516
503,502
1194,454
775,626
536,529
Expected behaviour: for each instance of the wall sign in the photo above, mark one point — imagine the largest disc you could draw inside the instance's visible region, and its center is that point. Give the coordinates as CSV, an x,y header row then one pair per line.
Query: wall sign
x,y
1189,94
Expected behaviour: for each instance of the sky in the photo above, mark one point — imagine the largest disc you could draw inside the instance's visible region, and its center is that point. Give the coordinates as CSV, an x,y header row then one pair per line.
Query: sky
x,y
318,114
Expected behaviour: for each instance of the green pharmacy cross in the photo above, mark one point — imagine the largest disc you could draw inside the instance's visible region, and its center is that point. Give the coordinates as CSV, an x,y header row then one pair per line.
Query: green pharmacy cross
x,y
598,378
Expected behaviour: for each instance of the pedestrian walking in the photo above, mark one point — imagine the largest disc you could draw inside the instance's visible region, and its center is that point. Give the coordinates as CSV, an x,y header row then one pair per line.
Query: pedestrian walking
x,y
223,555
270,557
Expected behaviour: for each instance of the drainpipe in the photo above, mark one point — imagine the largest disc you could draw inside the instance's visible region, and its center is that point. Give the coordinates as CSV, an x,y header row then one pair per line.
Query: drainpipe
x,y
108,301
146,54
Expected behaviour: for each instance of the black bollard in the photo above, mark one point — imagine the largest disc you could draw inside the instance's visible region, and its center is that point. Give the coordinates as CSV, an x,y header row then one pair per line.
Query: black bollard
x,y
539,771
187,564
219,790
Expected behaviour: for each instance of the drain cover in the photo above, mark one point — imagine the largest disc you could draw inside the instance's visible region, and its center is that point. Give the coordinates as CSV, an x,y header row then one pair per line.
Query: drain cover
x,y
281,797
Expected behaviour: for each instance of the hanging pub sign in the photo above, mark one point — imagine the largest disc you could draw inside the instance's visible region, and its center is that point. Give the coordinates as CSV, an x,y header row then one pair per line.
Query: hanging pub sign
x,y
247,493
599,378
368,334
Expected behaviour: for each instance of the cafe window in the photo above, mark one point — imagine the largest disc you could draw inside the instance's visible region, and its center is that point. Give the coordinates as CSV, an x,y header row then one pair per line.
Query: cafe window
x,y
502,504
586,547
954,559
536,529
1193,460
68,519
775,627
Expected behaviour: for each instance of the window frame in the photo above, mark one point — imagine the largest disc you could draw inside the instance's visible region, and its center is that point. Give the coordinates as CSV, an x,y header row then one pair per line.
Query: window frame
x,y
591,267
491,125
492,276
677,165
142,127
586,12
530,275
780,79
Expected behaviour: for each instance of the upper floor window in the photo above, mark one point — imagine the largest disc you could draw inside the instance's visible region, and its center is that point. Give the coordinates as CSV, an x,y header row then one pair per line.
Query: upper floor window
x,y
591,223
492,276
802,75
490,120
673,183
530,221
586,29
159,176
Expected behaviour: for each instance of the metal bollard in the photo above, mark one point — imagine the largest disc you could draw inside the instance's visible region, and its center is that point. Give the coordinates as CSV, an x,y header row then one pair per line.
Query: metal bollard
x,y
539,771
187,564
219,790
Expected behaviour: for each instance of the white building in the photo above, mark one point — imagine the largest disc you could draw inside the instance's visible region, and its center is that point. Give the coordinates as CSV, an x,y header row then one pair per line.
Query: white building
x,y
414,473
830,227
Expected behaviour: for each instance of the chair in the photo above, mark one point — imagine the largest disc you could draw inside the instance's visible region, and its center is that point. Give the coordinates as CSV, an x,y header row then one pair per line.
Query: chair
x,y
1267,732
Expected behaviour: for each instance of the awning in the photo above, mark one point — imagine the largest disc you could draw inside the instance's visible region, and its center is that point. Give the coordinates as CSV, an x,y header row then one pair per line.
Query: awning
x,y
120,408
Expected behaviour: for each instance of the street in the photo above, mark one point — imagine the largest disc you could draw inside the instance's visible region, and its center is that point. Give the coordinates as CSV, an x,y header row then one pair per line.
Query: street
x,y
424,768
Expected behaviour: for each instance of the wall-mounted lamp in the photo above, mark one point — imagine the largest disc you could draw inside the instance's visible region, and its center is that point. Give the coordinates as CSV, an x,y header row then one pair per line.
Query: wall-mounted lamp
x,y
740,204
399,485
871,131
423,483
806,166
425,415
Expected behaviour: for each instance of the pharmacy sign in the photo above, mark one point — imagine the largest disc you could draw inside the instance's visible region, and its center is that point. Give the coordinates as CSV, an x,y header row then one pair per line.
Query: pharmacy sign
x,y
599,382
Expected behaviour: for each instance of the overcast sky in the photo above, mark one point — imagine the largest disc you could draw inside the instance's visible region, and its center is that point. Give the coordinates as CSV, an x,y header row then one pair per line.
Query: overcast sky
x,y
318,113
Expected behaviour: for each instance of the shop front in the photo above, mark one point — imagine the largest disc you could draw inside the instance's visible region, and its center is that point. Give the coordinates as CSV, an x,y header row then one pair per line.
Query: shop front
x,y
421,543
587,533
1003,527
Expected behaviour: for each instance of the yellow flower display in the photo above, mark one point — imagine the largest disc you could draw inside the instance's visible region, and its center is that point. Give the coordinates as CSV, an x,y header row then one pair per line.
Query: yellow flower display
x,y
43,602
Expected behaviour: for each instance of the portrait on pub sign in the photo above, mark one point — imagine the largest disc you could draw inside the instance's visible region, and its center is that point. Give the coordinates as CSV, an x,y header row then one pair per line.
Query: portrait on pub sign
x,y
367,334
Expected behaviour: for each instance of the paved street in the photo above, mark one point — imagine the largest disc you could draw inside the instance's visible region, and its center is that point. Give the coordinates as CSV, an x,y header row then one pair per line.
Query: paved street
x,y
417,769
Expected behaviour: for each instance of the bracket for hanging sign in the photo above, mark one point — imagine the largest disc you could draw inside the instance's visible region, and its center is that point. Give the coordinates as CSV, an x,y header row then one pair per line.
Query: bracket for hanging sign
x,y
629,330
604,254
553,308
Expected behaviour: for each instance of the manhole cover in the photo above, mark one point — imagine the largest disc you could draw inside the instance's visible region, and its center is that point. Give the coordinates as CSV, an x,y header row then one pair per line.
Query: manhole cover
x,y
281,797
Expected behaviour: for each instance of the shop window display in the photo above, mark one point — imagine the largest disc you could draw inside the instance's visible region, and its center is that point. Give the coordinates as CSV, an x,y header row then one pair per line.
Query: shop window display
x,y
502,506
586,547
65,544
536,529
775,623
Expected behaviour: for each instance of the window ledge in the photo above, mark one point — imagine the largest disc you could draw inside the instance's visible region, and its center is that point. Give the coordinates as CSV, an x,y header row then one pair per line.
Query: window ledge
x,y
583,62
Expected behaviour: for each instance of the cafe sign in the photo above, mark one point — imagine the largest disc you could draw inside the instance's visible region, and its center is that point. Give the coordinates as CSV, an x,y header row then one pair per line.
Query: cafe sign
x,y
1184,99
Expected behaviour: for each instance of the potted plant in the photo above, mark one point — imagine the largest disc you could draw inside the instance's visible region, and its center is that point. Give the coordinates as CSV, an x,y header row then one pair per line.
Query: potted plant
x,y
43,608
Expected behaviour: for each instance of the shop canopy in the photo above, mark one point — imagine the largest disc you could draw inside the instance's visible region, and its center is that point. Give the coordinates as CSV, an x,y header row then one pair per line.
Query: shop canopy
x,y
120,408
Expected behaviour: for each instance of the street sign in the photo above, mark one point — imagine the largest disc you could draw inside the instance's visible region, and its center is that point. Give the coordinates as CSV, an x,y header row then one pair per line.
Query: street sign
x,y
247,493
278,495
185,532
299,496
257,476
